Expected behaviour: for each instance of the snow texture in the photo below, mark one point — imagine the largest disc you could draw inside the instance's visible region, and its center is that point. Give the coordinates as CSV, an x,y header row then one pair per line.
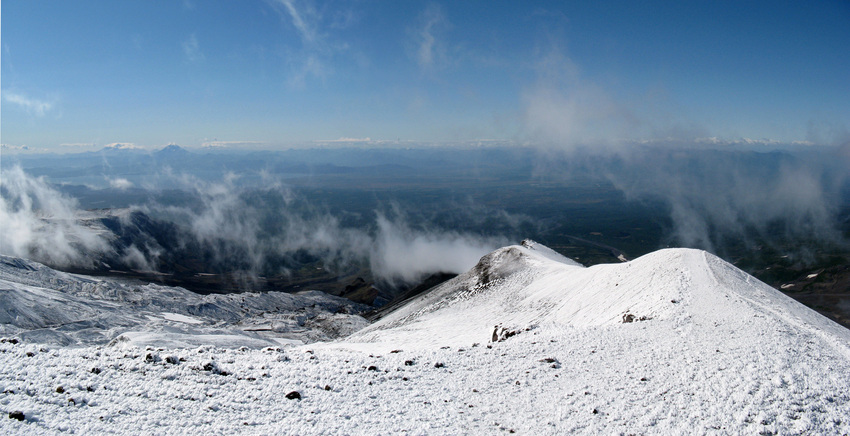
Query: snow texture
x,y
39,304
675,342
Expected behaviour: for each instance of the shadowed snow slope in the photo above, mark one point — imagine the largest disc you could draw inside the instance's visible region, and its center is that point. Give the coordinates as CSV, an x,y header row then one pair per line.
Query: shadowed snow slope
x,y
39,304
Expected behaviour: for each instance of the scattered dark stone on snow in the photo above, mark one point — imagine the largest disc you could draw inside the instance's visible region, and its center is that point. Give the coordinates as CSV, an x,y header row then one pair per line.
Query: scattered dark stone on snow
x,y
518,383
172,360
372,368
17,415
60,390
395,351
152,358
549,360
643,379
12,341
30,354
501,333
475,390
444,348
408,363
404,379
294,395
475,344
327,387
594,411
674,301
628,317
96,370
214,369
439,365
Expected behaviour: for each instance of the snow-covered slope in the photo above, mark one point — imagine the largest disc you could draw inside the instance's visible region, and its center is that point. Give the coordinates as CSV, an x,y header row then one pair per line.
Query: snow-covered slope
x,y
39,304
528,286
675,342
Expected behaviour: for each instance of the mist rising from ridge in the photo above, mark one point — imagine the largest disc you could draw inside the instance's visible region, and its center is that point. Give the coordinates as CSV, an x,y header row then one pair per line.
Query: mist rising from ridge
x,y
255,231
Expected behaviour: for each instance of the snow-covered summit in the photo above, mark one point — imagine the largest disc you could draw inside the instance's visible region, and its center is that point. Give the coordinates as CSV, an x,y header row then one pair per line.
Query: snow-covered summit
x,y
528,286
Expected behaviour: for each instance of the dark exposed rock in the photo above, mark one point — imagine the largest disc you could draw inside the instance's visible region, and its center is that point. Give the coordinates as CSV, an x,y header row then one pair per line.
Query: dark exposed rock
x,y
17,415
502,333
294,395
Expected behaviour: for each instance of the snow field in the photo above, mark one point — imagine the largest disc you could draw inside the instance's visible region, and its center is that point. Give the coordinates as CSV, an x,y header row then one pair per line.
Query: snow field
x,y
675,342
638,378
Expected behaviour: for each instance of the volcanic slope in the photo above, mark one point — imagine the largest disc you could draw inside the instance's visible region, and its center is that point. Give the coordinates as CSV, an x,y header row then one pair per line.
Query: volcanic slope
x,y
525,287
528,342
42,305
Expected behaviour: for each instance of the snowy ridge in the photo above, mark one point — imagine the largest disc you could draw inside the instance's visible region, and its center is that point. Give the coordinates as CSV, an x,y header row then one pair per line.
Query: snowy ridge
x,y
39,304
521,287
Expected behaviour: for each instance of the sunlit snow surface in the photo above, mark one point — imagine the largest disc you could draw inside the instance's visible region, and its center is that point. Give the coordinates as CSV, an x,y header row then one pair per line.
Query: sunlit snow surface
x,y
716,352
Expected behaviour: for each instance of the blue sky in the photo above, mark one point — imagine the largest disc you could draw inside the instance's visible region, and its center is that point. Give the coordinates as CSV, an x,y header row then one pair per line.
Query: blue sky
x,y
80,75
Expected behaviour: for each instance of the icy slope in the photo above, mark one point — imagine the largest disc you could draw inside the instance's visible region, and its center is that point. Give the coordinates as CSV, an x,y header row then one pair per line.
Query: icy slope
x,y
39,304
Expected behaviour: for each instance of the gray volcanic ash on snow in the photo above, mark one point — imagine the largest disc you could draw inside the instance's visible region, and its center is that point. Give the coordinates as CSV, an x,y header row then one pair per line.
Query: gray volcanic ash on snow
x,y
677,341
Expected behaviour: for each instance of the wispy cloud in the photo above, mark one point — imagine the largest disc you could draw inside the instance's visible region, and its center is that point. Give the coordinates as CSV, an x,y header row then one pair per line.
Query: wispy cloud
x,y
10,147
31,105
192,50
122,146
230,144
429,50
312,66
120,183
319,48
303,18
567,111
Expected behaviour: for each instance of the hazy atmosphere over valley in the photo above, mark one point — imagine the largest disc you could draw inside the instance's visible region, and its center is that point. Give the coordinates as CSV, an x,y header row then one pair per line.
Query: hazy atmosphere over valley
x,y
370,217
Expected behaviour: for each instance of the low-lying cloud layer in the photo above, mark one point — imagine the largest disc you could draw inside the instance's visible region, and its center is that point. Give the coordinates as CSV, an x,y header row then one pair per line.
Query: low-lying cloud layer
x,y
253,231
40,223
